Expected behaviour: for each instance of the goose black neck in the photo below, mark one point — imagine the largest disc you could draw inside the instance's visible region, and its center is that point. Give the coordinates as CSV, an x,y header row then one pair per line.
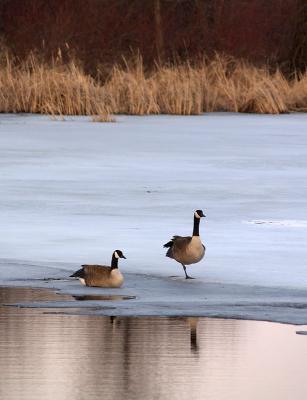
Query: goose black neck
x,y
196,226
114,263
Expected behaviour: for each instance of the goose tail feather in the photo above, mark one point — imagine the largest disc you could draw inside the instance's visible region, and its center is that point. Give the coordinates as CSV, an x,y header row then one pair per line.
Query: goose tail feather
x,y
78,274
169,244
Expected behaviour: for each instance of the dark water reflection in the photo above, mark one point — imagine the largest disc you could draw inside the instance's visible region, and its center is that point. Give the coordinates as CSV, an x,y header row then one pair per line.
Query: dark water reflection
x,y
111,297
54,356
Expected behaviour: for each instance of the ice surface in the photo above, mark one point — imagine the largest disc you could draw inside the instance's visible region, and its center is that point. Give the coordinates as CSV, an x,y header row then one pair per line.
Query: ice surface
x,y
73,191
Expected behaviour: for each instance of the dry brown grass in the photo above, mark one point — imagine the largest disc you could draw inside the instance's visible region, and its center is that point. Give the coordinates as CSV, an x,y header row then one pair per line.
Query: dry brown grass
x,y
219,84
104,116
54,89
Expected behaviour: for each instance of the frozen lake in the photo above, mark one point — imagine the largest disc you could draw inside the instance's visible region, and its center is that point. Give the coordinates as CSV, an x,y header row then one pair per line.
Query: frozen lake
x,y
73,191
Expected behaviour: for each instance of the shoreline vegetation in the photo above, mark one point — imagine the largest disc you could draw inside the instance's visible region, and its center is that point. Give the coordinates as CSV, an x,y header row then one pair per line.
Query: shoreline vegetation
x,y
222,83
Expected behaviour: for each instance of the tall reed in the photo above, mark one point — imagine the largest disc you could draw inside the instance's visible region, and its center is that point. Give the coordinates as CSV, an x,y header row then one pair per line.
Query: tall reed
x,y
219,84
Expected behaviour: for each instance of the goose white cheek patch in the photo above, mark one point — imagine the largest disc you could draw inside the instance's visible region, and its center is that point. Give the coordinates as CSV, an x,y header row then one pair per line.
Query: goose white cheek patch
x,y
82,281
116,255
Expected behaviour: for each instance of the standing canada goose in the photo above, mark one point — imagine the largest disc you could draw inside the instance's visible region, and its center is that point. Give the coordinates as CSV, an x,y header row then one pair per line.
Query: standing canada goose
x,y
187,249
102,275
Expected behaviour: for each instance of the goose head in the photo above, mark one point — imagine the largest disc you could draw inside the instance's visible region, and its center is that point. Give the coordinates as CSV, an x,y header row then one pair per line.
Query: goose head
x,y
199,214
118,254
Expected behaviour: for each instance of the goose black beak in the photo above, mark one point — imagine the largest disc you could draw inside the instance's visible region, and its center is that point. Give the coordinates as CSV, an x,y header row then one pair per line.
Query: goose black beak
x,y
123,257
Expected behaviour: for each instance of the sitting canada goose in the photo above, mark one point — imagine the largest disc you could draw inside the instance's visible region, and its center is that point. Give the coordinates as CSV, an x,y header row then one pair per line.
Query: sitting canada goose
x,y
188,249
101,275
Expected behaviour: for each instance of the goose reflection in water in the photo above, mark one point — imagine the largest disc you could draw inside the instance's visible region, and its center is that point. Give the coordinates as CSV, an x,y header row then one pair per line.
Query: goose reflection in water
x,y
193,334
191,321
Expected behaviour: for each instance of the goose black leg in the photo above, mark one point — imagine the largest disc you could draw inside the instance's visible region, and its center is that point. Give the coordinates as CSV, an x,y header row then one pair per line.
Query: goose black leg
x,y
185,271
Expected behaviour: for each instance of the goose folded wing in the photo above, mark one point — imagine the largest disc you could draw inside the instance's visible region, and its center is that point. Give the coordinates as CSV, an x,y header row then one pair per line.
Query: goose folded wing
x,y
96,269
181,242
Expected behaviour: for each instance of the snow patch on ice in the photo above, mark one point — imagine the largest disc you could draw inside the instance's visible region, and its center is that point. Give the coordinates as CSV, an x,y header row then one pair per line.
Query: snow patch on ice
x,y
288,223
